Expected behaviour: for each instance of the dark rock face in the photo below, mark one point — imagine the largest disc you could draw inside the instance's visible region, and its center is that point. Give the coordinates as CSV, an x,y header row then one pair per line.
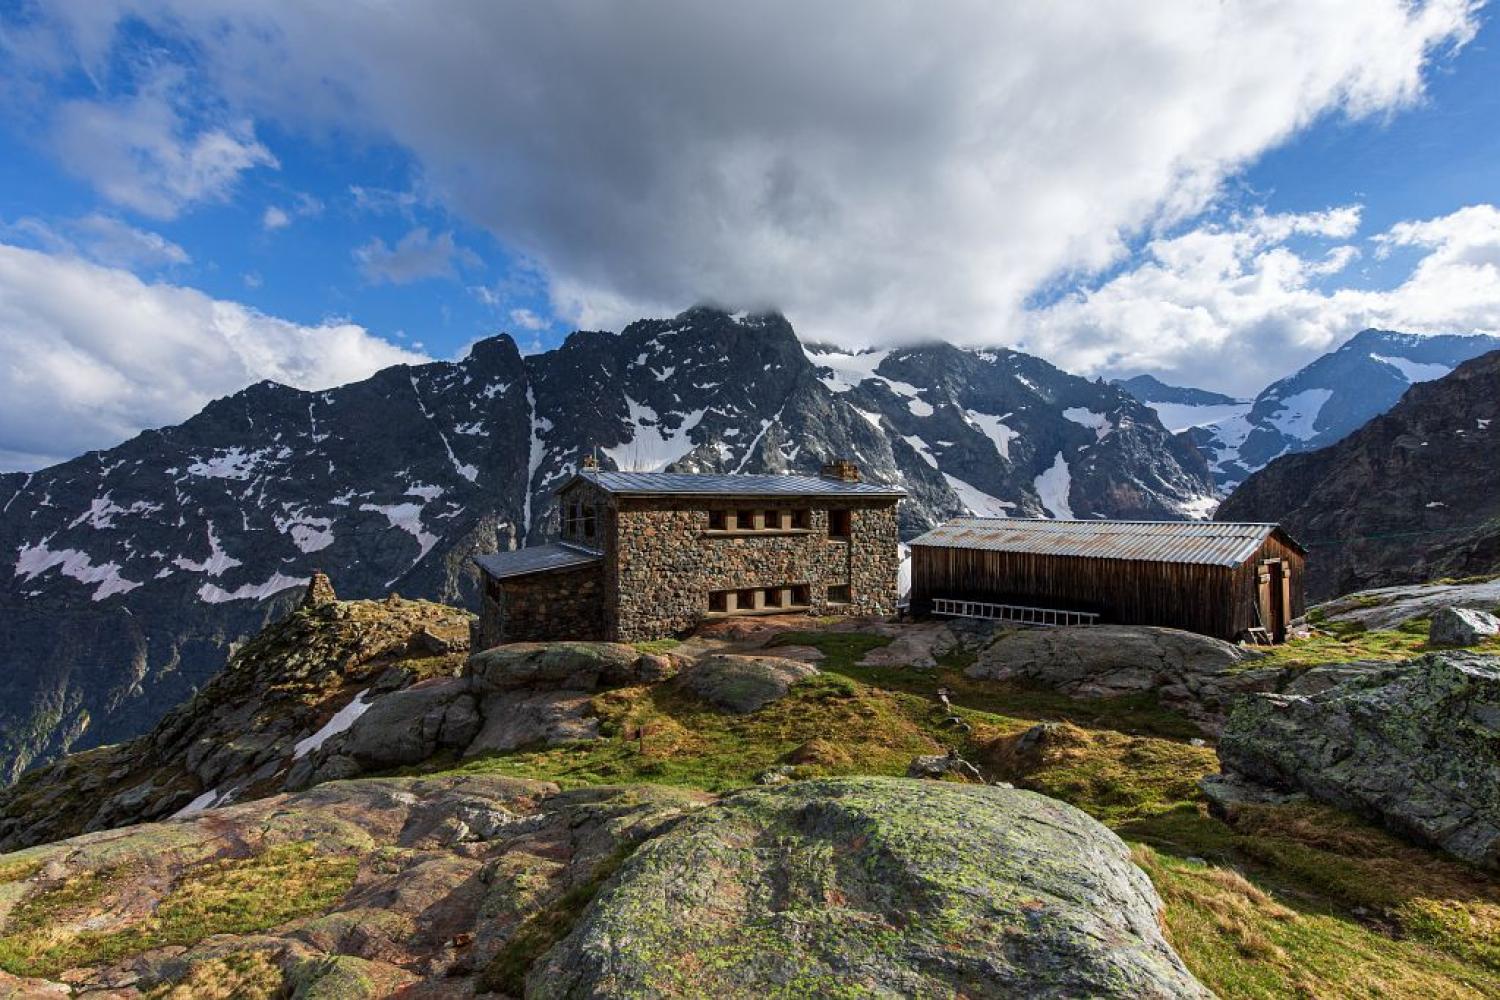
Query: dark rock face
x,y
908,888
1331,398
1412,496
1412,745
136,570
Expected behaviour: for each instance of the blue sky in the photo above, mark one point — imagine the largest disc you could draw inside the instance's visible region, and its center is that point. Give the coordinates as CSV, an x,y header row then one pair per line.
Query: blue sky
x,y
1164,187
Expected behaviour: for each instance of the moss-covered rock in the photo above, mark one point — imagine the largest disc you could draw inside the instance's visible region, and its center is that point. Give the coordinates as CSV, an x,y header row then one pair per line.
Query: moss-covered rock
x,y
743,684
1415,745
873,887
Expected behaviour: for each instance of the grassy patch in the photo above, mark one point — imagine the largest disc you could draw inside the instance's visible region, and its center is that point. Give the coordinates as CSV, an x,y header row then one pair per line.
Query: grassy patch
x,y
656,645
247,975
44,934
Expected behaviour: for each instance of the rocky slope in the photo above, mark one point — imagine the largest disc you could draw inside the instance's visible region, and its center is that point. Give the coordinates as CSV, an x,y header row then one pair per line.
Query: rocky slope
x,y
136,570
452,887
1323,402
1412,496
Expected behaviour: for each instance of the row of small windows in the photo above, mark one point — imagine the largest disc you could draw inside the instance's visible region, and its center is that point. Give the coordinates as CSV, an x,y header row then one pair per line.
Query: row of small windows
x,y
839,521
793,597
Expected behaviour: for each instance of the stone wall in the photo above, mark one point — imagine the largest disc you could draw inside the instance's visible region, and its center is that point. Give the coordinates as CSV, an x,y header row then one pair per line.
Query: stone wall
x,y
540,607
667,561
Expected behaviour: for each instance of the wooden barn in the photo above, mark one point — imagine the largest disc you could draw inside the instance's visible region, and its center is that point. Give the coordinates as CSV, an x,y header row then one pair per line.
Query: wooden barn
x,y
1232,581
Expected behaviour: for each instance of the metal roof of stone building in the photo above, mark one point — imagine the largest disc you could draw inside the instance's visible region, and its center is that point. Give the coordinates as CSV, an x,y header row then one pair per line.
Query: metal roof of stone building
x,y
535,559
1213,543
710,484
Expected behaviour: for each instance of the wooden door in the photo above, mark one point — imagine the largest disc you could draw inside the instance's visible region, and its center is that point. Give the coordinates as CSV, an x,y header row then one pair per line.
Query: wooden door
x,y
1275,599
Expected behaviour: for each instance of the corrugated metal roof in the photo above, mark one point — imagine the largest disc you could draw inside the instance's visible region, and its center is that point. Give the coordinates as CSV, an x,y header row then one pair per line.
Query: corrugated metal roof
x,y
1214,543
708,484
535,559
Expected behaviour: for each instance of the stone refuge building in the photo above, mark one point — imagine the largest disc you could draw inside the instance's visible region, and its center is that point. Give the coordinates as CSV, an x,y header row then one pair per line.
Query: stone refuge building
x,y
1219,578
650,555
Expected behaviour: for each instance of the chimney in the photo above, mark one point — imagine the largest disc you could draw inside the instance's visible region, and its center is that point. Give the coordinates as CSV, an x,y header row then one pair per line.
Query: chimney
x,y
841,469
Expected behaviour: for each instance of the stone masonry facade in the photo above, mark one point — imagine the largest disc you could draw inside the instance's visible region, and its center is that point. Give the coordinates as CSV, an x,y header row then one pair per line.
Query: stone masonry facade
x,y
669,562
541,607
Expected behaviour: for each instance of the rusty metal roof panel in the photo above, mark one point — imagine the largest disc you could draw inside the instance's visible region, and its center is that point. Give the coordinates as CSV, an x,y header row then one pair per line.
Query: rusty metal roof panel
x,y
535,559
711,484
1211,543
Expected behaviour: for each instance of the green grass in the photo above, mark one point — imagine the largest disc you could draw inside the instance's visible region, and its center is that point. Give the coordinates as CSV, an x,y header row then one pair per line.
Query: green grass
x,y
44,934
1297,901
656,645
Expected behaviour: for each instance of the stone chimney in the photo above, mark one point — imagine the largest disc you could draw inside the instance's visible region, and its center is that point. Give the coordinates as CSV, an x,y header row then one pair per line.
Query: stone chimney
x,y
319,591
841,469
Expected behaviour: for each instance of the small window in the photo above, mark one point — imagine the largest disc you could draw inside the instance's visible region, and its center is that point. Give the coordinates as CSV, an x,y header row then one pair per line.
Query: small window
x,y
802,519
718,601
773,597
799,595
838,524
718,520
590,521
746,520
839,594
745,600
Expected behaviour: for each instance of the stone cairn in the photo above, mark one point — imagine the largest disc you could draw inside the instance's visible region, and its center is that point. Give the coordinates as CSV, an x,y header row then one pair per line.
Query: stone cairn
x,y
319,591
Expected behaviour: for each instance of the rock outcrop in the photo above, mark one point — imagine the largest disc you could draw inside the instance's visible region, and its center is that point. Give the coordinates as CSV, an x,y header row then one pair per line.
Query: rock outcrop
x,y
283,695
1414,745
359,889
905,888
743,684
1197,675
1391,607
1462,627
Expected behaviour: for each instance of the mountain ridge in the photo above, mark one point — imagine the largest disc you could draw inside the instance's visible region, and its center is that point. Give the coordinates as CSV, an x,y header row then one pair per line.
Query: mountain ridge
x,y
139,568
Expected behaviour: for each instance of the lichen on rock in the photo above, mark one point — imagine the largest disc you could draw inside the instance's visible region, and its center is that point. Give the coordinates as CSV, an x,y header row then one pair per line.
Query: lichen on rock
x,y
880,887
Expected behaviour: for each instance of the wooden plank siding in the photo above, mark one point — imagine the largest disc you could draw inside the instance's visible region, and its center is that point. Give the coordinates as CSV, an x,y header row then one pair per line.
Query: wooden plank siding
x,y
1211,600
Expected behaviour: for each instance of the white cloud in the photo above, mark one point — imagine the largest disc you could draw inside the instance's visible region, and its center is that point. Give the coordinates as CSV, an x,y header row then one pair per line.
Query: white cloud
x,y
416,256
528,320
101,238
143,152
94,354
917,170
1233,306
304,206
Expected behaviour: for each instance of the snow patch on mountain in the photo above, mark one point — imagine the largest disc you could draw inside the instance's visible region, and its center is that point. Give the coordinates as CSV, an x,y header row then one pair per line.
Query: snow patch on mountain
x,y
995,429
1298,413
651,445
229,463
212,593
1053,486
1084,417
215,563
978,502
1178,417
36,559
1414,371
920,447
